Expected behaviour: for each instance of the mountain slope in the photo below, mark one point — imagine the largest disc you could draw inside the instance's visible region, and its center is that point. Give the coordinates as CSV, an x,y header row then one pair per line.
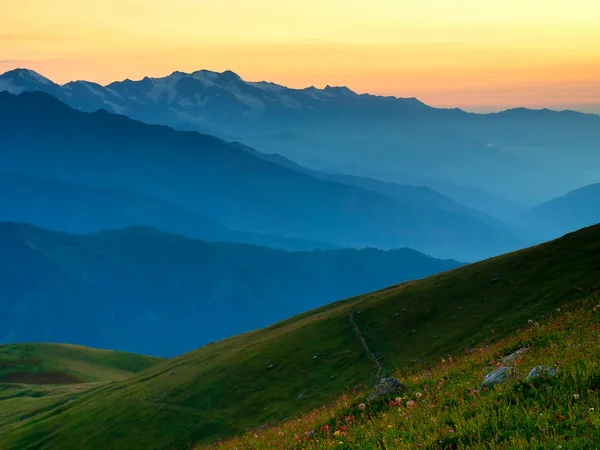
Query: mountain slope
x,y
301,363
81,209
203,174
142,290
577,209
548,401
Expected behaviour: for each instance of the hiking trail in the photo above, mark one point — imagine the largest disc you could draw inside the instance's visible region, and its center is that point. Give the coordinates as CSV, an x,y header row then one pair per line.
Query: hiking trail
x,y
362,339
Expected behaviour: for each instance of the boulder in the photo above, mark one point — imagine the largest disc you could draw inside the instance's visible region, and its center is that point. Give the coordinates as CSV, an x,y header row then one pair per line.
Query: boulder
x,y
538,371
513,356
498,376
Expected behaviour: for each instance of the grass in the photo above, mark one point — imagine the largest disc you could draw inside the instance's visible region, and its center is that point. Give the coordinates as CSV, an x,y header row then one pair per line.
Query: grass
x,y
296,366
444,406
39,377
45,363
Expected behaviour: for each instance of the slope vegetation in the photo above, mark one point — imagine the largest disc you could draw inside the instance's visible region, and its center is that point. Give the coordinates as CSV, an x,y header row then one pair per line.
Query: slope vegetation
x,y
549,399
36,378
44,363
296,365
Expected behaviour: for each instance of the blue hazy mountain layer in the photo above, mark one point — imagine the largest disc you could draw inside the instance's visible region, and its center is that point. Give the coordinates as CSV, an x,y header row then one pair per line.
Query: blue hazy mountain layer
x,y
145,291
525,156
205,175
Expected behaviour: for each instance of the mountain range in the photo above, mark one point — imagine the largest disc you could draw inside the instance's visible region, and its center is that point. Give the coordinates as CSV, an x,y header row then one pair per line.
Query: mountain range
x,y
205,175
145,291
81,209
336,128
416,196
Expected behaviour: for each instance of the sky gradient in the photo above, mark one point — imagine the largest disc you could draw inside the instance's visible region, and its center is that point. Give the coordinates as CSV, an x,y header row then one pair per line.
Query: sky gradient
x,y
476,54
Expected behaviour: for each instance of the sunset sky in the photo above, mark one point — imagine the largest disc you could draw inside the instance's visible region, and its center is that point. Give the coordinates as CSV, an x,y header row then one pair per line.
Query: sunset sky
x,y
476,54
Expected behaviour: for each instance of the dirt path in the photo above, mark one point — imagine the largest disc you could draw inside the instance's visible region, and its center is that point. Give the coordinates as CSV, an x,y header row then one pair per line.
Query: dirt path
x,y
362,339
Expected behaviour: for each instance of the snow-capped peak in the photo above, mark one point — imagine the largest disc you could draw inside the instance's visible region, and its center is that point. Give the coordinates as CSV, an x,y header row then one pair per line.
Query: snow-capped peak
x,y
27,74
339,90
19,80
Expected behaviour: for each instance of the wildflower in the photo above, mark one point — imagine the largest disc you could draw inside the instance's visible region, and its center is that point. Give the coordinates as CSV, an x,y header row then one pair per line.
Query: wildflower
x,y
337,433
591,409
418,395
536,324
362,406
575,396
530,321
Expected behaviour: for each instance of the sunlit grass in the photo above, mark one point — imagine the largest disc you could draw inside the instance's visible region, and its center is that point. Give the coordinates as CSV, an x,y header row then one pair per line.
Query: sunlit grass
x,y
444,407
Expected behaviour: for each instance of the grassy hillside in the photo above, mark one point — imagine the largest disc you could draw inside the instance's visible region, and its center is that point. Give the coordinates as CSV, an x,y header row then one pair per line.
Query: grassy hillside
x,y
43,363
35,378
445,406
294,366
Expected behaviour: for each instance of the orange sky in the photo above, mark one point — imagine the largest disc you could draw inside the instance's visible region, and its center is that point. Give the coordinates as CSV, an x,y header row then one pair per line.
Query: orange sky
x,y
477,54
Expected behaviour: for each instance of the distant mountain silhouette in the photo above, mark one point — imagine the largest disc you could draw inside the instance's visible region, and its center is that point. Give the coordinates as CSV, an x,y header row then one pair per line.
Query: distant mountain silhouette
x,y
203,174
471,197
81,209
333,127
413,196
149,292
561,215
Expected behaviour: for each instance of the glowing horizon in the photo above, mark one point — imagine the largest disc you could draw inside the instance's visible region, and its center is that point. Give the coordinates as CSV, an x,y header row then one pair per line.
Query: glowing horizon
x,y
474,54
